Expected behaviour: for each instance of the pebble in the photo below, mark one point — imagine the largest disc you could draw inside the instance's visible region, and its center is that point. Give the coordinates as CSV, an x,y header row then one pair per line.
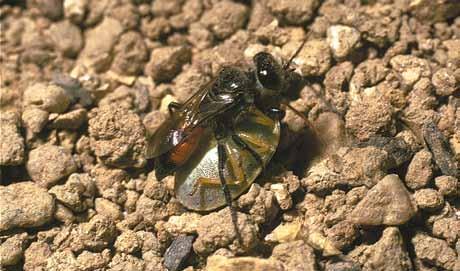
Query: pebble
x,y
447,185
388,254
438,146
166,62
128,242
99,43
49,97
34,120
420,170
48,164
294,12
178,252
186,223
130,54
448,229
216,230
75,10
77,193
428,199
387,203
12,144
109,209
444,82
313,60
370,117
25,204
225,18
51,9
342,40
117,137
12,249
434,251
296,256
93,261
67,38
36,255
221,263
410,68
72,120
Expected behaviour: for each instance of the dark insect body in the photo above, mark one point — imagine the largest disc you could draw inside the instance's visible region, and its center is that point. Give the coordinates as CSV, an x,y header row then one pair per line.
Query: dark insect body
x,y
221,138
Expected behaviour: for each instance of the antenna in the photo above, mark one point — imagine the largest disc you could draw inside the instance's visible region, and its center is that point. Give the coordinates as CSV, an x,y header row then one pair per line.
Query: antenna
x,y
286,66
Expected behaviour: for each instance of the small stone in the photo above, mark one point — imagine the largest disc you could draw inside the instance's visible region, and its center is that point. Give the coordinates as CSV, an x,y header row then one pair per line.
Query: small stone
x,y
93,261
217,230
36,255
77,193
388,254
71,120
434,251
24,205
130,98
166,7
130,54
447,229
221,263
282,195
420,170
11,141
99,43
387,203
48,164
342,234
293,11
225,18
447,185
286,232
67,38
186,223
428,199
296,256
178,252
128,242
444,82
453,49
367,74
313,60
368,118
12,249
64,214
107,208
342,40
49,8
48,97
439,147
410,68
151,210
166,62
75,10
34,120
62,260
117,137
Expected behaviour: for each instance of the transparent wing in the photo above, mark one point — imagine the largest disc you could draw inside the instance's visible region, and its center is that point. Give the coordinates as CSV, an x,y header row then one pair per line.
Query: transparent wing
x,y
194,112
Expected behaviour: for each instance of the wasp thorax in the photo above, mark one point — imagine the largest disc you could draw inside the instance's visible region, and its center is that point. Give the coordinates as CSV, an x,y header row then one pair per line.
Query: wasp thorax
x,y
231,80
268,71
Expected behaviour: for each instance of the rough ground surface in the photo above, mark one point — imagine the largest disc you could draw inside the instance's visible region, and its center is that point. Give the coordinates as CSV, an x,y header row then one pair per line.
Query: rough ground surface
x,y
83,82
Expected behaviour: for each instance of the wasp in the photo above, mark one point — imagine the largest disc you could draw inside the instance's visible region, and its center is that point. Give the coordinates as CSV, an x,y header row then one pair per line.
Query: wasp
x,y
224,135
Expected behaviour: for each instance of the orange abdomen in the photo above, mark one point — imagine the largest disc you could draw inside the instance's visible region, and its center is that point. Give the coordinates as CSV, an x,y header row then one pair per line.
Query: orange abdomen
x,y
182,152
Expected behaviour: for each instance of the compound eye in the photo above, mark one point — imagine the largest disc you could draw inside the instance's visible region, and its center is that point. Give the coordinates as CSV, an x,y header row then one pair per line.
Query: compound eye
x,y
268,71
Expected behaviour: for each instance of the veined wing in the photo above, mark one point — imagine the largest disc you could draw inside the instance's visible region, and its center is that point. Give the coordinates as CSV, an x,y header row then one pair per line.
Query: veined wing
x,y
194,112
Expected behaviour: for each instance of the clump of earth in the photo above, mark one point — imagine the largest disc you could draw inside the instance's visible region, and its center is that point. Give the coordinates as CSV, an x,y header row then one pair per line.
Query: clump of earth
x,y
371,183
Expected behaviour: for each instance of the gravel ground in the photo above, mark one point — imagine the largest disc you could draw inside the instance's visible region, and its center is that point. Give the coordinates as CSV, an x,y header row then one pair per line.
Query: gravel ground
x,y
83,83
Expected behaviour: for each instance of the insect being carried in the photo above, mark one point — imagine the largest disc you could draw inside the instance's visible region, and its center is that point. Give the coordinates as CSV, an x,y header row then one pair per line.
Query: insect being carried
x,y
222,137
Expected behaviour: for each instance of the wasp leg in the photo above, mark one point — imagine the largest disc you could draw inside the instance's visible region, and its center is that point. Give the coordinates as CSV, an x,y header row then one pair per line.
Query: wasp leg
x,y
228,197
173,106
255,141
246,147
